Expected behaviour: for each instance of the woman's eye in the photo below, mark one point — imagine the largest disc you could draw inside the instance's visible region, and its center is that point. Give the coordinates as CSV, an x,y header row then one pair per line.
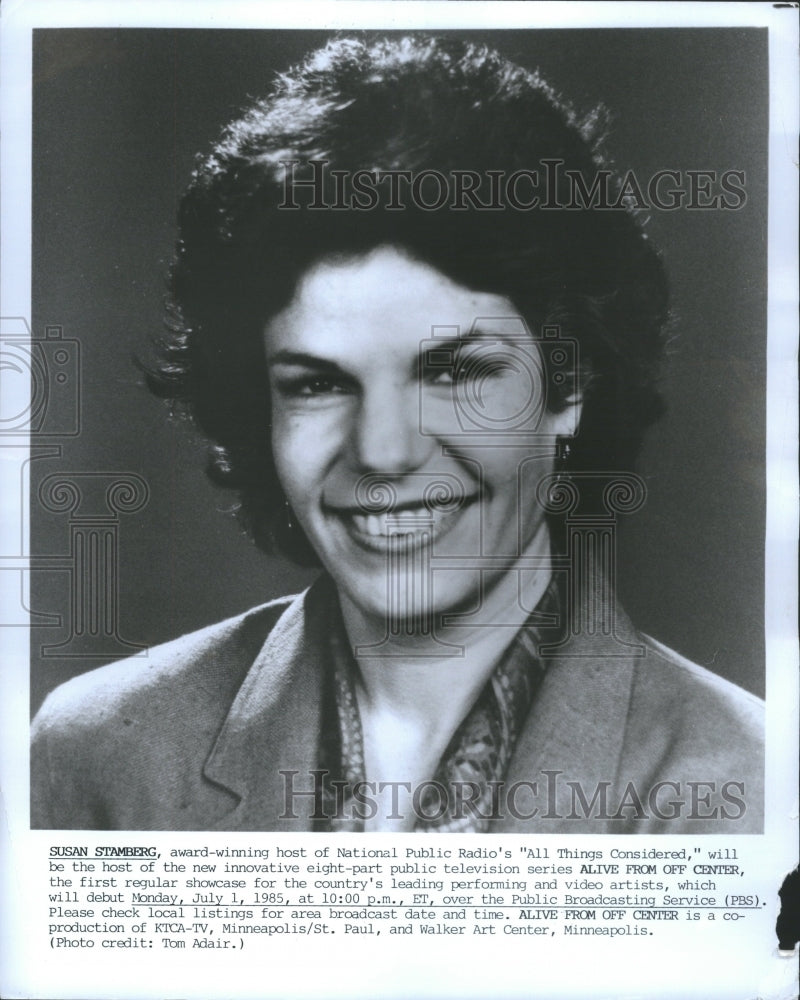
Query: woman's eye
x,y
319,386
472,370
311,386
440,376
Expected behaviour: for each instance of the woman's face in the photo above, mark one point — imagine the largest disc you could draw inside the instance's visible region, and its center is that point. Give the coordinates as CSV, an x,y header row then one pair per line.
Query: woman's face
x,y
387,378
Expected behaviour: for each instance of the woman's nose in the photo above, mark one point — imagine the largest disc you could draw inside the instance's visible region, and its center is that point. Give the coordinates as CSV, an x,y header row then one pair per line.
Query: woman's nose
x,y
388,437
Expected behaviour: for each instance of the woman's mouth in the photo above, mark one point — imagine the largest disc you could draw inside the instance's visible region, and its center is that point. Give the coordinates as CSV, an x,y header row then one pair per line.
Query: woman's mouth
x,y
412,524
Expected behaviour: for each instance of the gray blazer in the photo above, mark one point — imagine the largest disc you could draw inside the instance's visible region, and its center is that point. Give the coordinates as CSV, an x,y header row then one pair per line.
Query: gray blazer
x,y
620,739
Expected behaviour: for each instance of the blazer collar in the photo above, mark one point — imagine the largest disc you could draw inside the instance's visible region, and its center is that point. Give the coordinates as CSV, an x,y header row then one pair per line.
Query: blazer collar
x,y
576,726
274,723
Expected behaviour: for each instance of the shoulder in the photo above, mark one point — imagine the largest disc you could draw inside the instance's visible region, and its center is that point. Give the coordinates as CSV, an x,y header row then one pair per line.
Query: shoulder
x,y
202,669
692,728
123,746
667,680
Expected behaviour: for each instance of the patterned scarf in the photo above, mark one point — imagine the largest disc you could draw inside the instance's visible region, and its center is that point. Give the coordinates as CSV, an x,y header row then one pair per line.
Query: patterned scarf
x,y
478,753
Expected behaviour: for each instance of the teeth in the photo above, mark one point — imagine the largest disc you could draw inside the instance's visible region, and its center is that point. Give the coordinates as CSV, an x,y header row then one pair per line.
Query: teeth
x,y
377,524
370,524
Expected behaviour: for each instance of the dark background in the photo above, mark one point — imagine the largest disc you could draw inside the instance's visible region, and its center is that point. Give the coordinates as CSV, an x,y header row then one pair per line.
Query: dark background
x,y
118,117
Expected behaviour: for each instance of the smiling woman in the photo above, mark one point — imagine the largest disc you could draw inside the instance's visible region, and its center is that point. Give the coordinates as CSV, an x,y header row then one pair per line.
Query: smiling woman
x,y
409,385
348,382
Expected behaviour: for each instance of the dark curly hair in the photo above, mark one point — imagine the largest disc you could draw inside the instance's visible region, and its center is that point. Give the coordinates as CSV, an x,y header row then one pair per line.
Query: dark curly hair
x,y
403,103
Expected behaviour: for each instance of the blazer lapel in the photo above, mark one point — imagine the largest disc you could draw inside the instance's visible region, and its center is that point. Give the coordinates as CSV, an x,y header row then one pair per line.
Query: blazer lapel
x,y
274,724
575,730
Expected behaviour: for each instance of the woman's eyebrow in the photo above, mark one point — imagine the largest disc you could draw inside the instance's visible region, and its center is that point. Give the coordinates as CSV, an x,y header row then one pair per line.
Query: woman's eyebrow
x,y
475,336
301,358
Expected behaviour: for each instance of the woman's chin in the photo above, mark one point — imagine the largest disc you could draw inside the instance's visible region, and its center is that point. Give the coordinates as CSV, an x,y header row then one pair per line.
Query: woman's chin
x,y
408,603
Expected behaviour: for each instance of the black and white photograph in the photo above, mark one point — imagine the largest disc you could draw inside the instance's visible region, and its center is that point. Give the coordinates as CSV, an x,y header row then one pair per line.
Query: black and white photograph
x,y
400,438
425,314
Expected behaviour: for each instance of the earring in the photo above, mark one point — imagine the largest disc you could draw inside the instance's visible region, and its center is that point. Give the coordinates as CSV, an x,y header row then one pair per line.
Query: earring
x,y
561,460
288,515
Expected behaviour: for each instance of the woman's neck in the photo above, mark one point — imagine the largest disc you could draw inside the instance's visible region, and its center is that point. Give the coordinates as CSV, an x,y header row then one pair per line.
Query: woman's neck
x,y
427,678
413,697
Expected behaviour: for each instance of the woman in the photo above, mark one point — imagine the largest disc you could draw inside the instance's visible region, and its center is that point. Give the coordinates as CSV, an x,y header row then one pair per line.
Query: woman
x,y
418,319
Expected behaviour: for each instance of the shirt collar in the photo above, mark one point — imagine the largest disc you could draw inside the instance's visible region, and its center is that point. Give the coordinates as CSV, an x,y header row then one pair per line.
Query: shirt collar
x,y
459,797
